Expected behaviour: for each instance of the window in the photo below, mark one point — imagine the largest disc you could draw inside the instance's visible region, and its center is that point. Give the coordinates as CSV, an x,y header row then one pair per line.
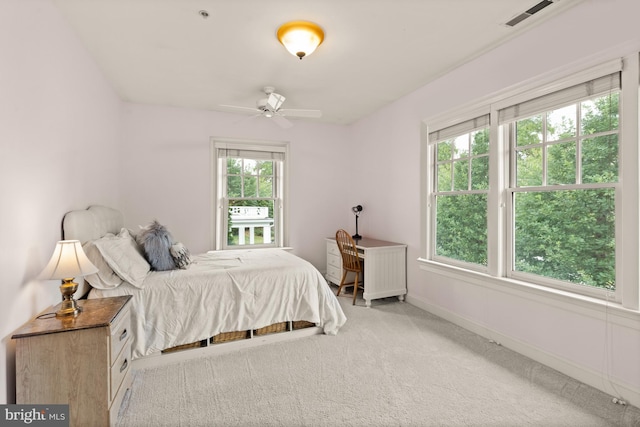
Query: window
x,y
250,183
531,190
564,163
461,186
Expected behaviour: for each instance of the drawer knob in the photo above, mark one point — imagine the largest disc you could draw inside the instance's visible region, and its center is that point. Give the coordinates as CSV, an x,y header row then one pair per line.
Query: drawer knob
x,y
123,335
124,365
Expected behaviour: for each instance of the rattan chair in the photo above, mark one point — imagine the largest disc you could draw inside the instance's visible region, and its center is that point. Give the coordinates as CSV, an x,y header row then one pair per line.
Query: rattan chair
x,y
350,261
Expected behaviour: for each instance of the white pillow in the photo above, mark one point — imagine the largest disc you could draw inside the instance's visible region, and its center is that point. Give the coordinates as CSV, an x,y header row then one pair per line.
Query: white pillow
x,y
105,278
122,255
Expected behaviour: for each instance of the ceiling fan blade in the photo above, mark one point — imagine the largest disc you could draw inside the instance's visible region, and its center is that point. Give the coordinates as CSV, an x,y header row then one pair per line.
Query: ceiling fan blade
x,y
281,121
300,113
237,109
247,118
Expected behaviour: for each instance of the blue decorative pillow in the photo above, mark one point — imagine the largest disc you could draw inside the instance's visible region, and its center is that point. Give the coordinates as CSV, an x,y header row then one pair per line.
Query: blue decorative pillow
x,y
156,241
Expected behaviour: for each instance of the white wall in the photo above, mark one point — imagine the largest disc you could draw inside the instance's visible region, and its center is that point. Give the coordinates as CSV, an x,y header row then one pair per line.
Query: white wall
x,y
68,142
596,345
59,133
166,174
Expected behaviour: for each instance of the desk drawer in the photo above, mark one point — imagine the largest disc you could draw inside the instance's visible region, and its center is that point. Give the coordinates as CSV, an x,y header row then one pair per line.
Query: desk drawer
x,y
334,275
332,248
334,261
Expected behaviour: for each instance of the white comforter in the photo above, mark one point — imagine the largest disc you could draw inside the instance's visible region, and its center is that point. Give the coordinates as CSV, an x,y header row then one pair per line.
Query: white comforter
x,y
226,291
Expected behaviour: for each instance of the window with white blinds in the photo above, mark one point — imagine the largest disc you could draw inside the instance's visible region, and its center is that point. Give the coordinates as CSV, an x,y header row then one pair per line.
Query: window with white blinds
x,y
533,190
250,154
249,194
460,189
459,128
564,163
562,97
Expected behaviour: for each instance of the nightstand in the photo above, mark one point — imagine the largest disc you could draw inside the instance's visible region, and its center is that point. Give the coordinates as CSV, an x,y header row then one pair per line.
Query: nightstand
x,y
82,361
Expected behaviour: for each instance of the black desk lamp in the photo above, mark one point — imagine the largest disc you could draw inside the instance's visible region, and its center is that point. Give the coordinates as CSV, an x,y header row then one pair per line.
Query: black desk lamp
x,y
356,211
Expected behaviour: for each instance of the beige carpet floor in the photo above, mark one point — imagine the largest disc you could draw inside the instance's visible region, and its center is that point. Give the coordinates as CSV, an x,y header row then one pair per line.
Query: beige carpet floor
x,y
390,365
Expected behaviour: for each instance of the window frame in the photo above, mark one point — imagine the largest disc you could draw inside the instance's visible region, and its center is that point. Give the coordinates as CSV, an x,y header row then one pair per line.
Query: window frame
x,y
499,215
512,188
219,198
478,121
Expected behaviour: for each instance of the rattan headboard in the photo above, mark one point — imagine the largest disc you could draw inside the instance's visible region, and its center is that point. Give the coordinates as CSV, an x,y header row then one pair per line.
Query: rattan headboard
x,y
90,224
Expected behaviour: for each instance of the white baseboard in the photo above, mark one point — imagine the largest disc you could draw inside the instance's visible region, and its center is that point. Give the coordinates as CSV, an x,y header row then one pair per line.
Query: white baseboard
x,y
586,375
159,359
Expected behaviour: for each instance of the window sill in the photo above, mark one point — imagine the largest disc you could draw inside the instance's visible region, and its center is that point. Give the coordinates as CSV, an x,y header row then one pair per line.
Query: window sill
x,y
585,305
245,248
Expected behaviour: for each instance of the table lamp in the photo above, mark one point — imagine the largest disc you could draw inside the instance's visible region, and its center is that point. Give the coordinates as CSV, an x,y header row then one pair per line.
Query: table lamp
x,y
356,211
68,262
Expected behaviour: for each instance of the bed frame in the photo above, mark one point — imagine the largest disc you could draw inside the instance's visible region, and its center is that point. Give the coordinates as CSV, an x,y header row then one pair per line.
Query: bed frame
x,y
96,221
90,224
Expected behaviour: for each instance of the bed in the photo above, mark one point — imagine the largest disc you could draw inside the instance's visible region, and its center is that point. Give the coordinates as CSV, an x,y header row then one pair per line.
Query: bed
x,y
219,295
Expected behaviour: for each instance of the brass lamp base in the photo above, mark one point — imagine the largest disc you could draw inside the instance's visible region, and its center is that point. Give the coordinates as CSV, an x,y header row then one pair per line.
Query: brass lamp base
x,y
69,306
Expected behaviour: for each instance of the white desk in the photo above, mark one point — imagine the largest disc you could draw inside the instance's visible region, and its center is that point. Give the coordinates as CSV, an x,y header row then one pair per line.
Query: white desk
x,y
385,267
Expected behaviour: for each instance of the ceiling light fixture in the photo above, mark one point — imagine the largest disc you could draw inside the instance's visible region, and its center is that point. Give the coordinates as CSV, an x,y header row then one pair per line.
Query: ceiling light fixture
x,y
300,38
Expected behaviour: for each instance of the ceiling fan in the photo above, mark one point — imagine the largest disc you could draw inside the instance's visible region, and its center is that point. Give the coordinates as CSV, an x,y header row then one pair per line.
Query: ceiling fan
x,y
271,107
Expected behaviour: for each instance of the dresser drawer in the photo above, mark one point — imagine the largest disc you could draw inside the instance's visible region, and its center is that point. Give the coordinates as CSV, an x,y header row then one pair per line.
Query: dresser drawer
x,y
117,401
120,333
120,369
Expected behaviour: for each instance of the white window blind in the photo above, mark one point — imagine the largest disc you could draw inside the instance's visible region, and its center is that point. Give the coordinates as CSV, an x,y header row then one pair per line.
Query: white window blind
x,y
562,97
250,154
459,128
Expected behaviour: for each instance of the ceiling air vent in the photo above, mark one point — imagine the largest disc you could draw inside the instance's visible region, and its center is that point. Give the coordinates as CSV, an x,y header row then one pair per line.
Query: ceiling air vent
x,y
524,15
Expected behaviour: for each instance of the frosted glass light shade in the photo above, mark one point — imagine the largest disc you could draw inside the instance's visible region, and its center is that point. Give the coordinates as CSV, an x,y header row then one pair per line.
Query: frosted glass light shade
x,y
68,261
300,38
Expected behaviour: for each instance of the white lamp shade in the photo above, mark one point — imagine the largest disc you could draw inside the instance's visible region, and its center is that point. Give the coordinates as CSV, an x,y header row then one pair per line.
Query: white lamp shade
x,y
300,38
68,261
300,41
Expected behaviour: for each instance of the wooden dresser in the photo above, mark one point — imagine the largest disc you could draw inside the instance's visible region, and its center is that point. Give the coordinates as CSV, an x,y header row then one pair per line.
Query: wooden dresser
x,y
84,362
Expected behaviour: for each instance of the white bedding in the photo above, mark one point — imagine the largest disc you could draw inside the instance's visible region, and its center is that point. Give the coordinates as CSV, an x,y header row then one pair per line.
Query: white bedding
x,y
226,291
